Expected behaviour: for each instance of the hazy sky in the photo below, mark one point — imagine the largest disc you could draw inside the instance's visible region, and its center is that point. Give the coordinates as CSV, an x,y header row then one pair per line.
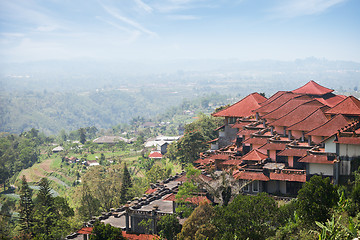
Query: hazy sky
x,y
179,29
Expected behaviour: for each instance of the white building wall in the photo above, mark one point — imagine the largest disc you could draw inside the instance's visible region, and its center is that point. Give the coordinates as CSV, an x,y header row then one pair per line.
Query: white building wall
x,y
324,169
330,146
349,150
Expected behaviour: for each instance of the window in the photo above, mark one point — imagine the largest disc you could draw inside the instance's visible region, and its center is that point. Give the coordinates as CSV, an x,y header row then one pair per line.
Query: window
x,y
255,186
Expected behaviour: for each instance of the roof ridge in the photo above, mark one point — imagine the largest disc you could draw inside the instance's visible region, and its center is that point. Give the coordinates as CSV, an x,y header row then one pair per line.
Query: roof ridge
x,y
310,115
331,119
297,108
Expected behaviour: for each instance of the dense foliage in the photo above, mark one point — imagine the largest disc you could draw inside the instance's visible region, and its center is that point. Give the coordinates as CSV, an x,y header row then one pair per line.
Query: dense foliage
x,y
18,152
102,232
195,139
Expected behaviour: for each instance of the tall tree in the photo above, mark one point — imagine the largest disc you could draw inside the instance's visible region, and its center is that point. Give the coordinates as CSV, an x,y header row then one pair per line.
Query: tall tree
x,y
45,214
126,184
51,214
190,146
89,206
26,206
82,133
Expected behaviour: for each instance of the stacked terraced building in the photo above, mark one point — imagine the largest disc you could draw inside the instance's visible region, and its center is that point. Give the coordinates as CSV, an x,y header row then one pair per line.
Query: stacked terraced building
x,y
275,145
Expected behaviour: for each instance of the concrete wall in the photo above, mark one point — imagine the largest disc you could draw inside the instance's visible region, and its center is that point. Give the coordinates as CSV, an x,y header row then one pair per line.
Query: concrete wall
x,y
324,169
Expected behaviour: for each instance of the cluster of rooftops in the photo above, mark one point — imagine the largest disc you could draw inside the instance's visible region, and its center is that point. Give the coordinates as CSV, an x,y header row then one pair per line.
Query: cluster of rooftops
x,y
277,143
269,145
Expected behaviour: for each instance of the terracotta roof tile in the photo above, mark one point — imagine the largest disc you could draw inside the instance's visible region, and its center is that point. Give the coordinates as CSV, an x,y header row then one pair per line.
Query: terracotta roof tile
x,y
254,155
242,108
312,88
155,155
290,177
273,97
249,175
348,140
151,190
349,106
274,146
204,161
312,158
276,103
330,127
287,107
85,230
298,114
232,162
297,152
331,99
312,121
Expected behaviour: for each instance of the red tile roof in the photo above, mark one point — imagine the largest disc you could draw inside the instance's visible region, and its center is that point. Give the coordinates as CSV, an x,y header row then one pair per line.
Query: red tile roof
x,y
298,114
133,236
348,140
276,103
220,156
290,177
155,155
204,161
297,152
312,88
232,162
349,106
312,158
311,122
254,155
273,97
256,140
330,127
85,230
243,108
287,107
150,190
250,175
331,99
273,146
